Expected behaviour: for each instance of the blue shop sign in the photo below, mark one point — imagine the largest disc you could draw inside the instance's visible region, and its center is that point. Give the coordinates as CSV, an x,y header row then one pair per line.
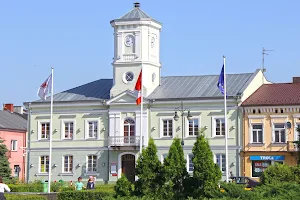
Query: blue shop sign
x,y
266,157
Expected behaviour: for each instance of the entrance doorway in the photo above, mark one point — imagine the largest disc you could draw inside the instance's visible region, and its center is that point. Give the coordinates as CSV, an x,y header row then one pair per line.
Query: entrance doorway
x,y
128,166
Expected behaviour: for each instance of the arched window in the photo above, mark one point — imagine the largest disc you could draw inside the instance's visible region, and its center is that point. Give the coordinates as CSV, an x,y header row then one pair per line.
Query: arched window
x,y
129,130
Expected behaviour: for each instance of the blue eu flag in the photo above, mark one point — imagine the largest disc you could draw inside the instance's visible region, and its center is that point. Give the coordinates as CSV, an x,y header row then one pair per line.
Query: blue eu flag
x,y
220,84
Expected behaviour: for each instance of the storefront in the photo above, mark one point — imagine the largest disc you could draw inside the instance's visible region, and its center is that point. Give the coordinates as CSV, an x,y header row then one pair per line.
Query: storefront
x,y
260,163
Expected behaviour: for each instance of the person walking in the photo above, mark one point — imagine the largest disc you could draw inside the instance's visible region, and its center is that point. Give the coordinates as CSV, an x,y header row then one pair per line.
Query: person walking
x,y
3,187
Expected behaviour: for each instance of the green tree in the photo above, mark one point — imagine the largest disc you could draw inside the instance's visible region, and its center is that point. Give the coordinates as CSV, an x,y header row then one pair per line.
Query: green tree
x,y
278,173
174,169
5,170
148,170
123,187
206,174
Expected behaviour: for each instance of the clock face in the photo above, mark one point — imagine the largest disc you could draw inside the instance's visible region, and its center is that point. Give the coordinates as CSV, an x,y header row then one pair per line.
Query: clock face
x,y
152,42
129,40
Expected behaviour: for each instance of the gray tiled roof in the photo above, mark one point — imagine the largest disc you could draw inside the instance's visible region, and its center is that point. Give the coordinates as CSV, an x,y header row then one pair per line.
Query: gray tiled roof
x,y
13,121
172,87
135,13
205,86
96,90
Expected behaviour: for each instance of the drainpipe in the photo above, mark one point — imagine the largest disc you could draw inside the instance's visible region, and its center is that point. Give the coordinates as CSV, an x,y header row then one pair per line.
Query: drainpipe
x,y
28,142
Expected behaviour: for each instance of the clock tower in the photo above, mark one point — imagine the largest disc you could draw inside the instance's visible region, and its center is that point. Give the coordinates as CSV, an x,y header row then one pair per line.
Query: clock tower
x,y
136,46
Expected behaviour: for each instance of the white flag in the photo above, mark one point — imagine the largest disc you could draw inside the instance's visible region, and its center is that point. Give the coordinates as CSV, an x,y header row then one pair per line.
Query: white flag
x,y
45,88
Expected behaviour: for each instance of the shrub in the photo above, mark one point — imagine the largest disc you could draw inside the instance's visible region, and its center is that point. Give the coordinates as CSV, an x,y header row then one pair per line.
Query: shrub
x,y
277,173
30,187
24,197
84,194
174,171
206,174
148,170
123,188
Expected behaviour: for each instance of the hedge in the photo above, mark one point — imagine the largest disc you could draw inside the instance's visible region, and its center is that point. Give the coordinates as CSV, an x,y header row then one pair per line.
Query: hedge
x,y
24,197
84,194
32,187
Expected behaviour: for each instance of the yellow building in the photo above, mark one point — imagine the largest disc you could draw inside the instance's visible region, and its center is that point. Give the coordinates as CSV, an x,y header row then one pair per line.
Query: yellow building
x,y
271,118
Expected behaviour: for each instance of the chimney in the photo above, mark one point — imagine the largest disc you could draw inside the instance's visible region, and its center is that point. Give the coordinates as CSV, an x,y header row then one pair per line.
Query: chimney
x,y
19,109
296,79
8,106
136,4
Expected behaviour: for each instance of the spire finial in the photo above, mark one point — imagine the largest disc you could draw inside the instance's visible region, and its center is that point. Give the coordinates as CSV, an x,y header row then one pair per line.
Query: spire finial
x,y
136,4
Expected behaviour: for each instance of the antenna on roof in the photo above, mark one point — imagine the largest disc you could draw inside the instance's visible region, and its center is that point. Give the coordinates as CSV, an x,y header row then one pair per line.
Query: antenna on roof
x,y
263,59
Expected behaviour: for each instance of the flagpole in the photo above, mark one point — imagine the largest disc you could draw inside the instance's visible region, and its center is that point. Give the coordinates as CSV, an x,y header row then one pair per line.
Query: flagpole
x,y
50,134
141,133
225,114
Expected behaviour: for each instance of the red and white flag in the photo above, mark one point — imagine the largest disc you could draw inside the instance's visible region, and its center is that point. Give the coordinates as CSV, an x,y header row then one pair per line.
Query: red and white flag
x,y
138,88
45,88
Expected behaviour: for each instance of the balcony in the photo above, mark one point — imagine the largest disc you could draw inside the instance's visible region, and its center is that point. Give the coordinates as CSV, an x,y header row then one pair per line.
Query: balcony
x,y
291,146
129,57
124,141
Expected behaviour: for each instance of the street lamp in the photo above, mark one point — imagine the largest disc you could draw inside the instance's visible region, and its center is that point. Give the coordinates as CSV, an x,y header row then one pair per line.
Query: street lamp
x,y
176,118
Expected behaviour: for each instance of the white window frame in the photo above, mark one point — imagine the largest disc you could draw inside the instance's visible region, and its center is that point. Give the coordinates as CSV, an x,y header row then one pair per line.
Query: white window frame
x,y
187,126
87,164
63,164
40,167
87,129
251,133
63,122
188,163
273,132
39,126
12,145
220,157
162,127
214,126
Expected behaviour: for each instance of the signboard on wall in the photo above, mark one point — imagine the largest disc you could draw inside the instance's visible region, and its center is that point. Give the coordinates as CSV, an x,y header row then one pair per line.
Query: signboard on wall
x,y
113,169
267,158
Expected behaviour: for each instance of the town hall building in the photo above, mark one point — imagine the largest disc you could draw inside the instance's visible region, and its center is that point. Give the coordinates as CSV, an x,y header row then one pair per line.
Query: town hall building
x,y
96,126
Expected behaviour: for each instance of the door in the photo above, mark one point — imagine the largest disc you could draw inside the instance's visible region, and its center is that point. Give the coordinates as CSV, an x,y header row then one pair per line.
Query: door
x,y
128,166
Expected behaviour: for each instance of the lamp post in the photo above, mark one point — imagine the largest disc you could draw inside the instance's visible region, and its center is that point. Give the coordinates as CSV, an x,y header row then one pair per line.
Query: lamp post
x,y
181,109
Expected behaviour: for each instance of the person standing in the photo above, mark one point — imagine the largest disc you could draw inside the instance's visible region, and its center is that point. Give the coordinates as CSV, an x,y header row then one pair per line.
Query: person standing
x,y
3,187
79,185
90,184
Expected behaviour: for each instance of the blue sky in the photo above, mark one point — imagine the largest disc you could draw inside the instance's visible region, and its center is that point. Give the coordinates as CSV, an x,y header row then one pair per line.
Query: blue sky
x,y
75,37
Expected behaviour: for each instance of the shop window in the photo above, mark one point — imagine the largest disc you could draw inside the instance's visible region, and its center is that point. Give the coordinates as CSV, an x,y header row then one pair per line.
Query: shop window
x,y
258,167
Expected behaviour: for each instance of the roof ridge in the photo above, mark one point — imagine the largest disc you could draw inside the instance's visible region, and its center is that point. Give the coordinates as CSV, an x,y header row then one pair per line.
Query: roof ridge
x,y
206,75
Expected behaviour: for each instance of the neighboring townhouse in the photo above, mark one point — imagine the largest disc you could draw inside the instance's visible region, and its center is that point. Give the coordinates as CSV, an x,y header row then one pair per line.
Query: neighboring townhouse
x,y
271,118
96,126
13,129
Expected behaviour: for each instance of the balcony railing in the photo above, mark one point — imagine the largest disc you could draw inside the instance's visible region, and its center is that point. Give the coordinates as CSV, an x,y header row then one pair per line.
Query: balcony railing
x,y
124,141
291,146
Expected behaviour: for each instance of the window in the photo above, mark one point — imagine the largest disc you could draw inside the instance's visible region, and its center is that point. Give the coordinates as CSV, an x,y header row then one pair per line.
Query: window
x,y
68,164
257,133
129,130
258,167
45,130
221,161
190,163
193,127
92,163
93,129
220,126
69,128
167,127
279,133
44,164
14,145
17,170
